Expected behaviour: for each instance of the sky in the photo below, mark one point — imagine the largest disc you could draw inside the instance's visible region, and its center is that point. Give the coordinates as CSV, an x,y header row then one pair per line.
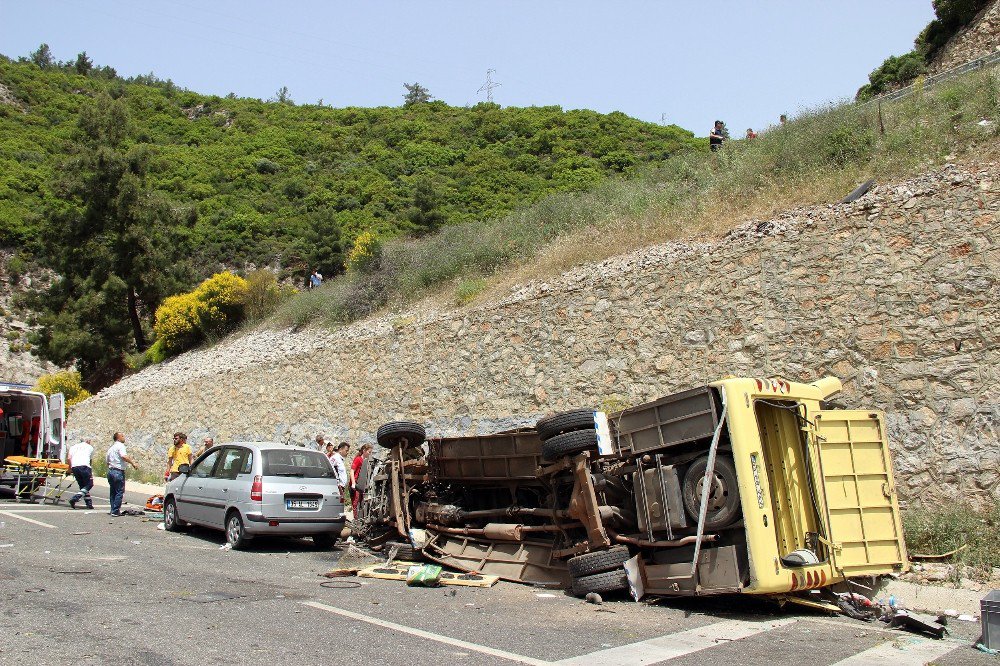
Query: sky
x,y
673,61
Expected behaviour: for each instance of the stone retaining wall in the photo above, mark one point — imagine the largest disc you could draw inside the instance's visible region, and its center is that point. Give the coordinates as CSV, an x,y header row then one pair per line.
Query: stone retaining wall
x,y
896,294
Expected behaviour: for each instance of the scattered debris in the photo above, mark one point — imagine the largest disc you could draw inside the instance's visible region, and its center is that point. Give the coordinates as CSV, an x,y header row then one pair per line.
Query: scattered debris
x,y
161,526
594,598
35,589
340,584
545,595
983,648
859,191
79,533
423,575
450,593
915,556
399,571
918,622
226,546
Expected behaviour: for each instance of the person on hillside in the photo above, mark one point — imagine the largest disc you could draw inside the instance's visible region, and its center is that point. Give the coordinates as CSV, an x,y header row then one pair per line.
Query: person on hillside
x,y
80,456
782,119
178,454
315,279
340,469
751,134
359,484
718,134
116,458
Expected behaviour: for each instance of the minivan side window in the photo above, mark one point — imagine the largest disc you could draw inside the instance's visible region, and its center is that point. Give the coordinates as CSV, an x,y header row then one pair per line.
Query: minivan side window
x,y
233,461
203,469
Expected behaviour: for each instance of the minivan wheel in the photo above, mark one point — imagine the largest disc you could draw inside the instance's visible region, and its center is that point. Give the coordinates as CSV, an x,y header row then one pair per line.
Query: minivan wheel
x,y
170,521
236,534
723,496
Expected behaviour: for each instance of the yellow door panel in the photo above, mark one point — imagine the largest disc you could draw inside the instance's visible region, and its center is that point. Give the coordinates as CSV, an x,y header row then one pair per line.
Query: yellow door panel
x,y
861,505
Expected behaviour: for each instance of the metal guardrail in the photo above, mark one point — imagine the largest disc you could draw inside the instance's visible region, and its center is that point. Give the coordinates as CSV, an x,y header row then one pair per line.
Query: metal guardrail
x,y
930,81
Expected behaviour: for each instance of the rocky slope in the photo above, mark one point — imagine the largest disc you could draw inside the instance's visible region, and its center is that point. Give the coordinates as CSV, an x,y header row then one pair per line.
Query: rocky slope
x,y
16,361
894,293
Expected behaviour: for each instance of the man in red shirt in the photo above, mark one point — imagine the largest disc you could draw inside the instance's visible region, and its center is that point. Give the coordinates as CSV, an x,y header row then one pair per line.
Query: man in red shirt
x,y
359,490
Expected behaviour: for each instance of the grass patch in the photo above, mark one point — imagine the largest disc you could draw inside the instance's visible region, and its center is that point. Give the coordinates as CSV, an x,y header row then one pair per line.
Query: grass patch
x,y
467,290
950,526
816,158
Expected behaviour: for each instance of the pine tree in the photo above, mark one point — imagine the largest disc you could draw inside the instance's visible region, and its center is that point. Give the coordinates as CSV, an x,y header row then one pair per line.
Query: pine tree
x,y
43,57
415,94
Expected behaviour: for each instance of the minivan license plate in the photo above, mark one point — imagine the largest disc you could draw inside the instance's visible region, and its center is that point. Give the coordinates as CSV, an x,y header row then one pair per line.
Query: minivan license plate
x,y
302,504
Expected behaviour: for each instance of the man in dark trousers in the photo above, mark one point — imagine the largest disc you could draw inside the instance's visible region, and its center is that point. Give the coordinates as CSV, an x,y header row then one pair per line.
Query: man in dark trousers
x,y
718,134
80,455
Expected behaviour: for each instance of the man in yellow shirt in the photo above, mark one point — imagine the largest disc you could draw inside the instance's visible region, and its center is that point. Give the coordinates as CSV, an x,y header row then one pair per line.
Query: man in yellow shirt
x,y
178,454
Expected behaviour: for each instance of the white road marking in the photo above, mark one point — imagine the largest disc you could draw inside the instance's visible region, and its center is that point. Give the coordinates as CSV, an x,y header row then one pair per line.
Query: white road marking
x,y
454,642
676,645
11,514
904,651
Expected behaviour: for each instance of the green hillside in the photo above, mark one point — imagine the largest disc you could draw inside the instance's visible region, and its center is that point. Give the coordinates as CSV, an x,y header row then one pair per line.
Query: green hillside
x,y
269,181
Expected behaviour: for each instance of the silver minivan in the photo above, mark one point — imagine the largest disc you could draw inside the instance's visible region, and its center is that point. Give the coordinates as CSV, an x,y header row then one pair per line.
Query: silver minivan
x,y
253,489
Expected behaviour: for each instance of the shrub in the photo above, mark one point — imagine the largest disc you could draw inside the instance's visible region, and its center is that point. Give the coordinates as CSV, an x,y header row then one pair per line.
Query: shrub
x,y
66,382
365,252
266,166
468,290
941,529
177,323
221,298
263,295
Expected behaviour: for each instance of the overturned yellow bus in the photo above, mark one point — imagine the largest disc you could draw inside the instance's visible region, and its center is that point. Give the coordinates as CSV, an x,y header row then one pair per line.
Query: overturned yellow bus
x,y
746,486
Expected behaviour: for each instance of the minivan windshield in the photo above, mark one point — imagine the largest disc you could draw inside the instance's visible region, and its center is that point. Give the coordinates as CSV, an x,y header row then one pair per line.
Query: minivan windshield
x,y
305,464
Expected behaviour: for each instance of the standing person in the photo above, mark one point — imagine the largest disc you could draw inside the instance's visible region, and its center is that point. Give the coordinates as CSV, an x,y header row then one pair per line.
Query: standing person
x,y
80,456
358,483
206,444
116,458
178,454
782,119
320,443
340,469
717,135
751,134
329,451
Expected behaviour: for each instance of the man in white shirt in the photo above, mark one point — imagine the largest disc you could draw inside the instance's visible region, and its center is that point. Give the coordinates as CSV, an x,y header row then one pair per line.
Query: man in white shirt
x,y
116,457
340,468
80,455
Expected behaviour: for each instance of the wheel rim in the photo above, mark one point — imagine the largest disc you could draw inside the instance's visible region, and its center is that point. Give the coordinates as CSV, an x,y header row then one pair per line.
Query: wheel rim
x,y
717,492
234,530
170,518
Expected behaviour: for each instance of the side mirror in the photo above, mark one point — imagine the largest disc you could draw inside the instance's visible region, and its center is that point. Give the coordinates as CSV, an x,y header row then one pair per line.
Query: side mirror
x,y
184,469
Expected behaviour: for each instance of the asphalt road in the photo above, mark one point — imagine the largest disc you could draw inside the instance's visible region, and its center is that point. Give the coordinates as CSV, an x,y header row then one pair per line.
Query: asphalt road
x,y
80,587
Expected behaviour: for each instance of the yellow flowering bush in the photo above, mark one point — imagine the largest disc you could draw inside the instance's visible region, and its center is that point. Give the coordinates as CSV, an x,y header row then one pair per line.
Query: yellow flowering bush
x,y
66,382
366,249
177,324
222,299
